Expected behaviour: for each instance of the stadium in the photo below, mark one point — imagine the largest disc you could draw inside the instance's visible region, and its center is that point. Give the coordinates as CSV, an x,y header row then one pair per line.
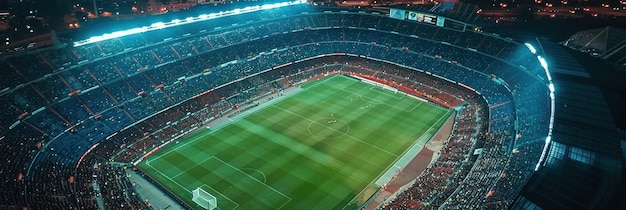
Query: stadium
x,y
299,106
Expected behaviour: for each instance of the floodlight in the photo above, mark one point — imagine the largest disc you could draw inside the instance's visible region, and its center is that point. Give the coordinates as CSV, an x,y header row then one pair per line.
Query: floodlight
x,y
543,154
95,39
136,30
158,25
531,48
267,6
543,62
162,25
245,9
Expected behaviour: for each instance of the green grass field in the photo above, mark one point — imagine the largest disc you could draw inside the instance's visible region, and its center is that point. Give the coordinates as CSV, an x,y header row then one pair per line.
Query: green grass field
x,y
319,148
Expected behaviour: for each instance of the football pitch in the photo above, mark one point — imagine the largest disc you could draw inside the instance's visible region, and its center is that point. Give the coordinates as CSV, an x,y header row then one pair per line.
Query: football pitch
x,y
322,147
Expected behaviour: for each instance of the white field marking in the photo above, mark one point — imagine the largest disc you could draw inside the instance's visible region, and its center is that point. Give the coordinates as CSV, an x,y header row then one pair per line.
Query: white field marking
x,y
402,96
342,133
370,101
371,183
380,102
162,174
148,160
214,130
374,88
390,166
382,91
397,166
237,205
433,125
352,137
197,164
257,170
414,107
181,145
326,79
419,143
240,171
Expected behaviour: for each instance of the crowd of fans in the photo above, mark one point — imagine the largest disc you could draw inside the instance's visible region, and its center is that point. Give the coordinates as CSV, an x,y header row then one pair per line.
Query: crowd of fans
x,y
442,177
128,95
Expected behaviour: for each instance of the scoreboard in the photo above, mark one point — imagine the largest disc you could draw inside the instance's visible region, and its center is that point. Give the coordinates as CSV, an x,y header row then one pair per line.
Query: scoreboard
x,y
417,16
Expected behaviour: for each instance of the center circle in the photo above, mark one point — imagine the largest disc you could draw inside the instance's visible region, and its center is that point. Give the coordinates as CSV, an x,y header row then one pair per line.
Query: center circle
x,y
328,128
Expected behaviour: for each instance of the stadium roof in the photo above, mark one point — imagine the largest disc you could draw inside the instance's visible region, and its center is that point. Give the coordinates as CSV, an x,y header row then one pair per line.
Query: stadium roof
x,y
583,167
609,43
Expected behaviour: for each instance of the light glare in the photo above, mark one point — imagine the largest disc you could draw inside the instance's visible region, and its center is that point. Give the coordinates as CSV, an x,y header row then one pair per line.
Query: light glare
x,y
543,62
176,22
531,48
158,25
545,148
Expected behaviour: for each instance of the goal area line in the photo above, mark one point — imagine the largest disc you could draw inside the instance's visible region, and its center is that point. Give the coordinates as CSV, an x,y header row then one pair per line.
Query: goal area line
x,y
221,207
183,178
217,161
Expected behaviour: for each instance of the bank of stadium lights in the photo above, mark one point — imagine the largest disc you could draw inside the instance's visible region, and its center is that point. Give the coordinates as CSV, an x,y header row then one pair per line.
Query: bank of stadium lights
x,y
544,65
531,48
157,25
177,22
542,61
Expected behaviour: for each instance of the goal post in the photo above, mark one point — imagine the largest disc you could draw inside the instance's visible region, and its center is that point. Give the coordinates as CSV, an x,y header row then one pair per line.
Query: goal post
x,y
204,199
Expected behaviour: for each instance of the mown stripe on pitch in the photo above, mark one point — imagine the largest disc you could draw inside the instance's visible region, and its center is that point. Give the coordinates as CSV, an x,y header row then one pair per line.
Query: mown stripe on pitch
x,y
288,156
304,149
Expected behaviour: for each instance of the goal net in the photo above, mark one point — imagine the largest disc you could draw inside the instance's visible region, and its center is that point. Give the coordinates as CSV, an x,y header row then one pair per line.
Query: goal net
x,y
204,199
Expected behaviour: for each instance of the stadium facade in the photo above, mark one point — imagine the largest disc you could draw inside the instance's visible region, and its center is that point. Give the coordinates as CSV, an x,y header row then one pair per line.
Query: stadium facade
x,y
71,110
